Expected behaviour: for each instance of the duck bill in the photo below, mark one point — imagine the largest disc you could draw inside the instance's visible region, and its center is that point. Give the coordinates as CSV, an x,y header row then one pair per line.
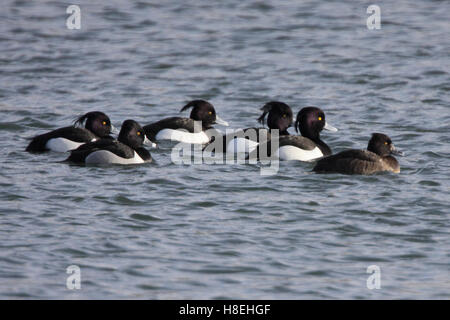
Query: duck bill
x,y
221,122
329,127
396,152
149,143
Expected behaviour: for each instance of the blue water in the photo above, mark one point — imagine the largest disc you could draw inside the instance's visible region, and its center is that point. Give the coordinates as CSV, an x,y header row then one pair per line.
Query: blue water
x,y
167,231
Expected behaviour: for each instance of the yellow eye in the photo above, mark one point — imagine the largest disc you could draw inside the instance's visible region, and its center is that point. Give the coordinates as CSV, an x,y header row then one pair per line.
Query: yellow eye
x,y
284,115
138,133
210,112
320,118
104,123
385,142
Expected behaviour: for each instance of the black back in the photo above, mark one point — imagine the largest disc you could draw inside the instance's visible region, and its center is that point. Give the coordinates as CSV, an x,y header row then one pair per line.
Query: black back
x,y
376,158
202,111
131,138
97,125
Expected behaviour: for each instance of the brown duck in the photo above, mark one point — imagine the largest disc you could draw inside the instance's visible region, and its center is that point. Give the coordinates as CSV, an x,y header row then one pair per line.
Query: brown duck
x,y
378,157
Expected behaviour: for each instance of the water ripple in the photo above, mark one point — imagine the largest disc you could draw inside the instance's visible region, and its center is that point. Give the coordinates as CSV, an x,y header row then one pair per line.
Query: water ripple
x,y
166,231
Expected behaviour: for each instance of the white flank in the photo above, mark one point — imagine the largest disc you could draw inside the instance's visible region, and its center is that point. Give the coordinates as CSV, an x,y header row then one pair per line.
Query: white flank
x,y
62,144
182,136
295,153
241,145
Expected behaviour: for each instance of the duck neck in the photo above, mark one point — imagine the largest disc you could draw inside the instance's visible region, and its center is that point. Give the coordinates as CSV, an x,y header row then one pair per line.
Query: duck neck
x,y
205,124
326,151
143,153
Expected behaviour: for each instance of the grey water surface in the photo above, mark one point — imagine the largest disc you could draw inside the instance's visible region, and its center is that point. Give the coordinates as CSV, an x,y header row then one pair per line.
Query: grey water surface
x,y
168,231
